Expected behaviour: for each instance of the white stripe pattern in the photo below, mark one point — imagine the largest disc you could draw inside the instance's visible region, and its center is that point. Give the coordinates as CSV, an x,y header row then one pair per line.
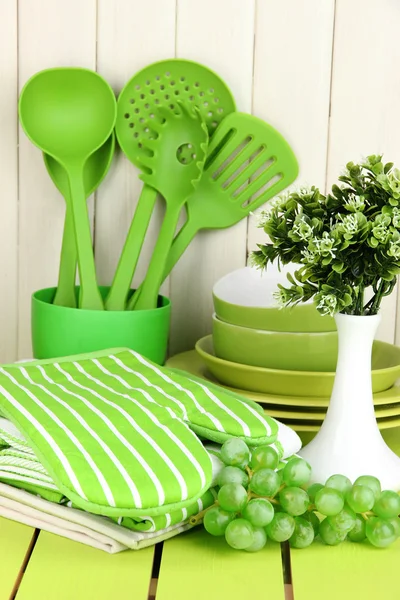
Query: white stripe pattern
x,y
52,443
170,434
106,448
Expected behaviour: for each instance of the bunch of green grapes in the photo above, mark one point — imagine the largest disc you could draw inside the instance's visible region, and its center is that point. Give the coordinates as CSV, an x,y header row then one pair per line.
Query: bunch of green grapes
x,y
259,498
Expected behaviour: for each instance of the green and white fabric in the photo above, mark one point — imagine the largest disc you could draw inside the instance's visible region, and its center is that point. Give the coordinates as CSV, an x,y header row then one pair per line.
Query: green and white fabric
x,y
92,530
117,434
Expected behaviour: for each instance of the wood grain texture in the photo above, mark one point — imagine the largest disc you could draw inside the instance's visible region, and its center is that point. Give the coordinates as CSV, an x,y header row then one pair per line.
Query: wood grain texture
x,y
8,181
365,96
65,570
15,539
197,566
50,34
346,571
291,90
130,36
220,35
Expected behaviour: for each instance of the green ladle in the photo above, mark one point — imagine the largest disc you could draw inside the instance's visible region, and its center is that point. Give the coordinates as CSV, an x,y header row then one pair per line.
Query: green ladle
x,y
95,170
69,113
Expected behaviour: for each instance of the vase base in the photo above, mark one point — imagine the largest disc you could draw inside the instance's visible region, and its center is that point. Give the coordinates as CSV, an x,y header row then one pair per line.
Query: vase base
x,y
352,460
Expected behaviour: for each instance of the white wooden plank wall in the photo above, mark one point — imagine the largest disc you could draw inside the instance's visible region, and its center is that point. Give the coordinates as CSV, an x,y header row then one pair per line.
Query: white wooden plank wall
x,y
326,74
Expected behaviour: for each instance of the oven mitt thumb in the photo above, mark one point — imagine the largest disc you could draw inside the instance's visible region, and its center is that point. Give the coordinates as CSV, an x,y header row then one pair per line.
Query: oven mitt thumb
x,y
117,434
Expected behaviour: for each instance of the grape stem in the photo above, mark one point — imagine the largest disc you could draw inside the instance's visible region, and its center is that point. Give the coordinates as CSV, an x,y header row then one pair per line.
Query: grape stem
x,y
264,498
196,519
366,515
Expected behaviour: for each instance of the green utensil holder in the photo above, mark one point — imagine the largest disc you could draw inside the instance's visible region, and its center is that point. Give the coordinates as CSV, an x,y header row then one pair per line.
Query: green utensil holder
x,y
60,331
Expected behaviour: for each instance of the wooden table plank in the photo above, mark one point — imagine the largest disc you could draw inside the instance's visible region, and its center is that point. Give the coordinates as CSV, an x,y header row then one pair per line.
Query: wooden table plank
x,y
197,566
347,571
65,570
14,543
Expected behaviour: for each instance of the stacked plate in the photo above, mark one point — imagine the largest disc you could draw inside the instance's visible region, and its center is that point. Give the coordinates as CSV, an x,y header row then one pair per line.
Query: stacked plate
x,y
284,359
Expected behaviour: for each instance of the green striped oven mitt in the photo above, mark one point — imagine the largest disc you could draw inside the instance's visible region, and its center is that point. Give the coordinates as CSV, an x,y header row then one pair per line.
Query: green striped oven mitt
x,y
120,436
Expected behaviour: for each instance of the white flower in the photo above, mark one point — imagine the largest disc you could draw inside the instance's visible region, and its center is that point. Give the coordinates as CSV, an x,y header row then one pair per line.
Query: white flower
x,y
349,224
302,229
324,245
355,203
394,249
281,297
396,217
309,255
327,304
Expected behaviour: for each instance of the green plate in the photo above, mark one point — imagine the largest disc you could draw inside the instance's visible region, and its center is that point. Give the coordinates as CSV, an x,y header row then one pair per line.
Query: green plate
x,y
385,372
192,363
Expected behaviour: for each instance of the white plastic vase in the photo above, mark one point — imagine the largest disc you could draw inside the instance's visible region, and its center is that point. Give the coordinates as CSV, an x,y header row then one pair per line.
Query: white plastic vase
x,y
349,441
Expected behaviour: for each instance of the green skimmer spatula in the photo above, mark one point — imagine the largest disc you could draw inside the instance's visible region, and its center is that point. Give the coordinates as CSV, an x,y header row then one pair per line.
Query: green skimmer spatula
x,y
248,163
159,85
95,170
173,167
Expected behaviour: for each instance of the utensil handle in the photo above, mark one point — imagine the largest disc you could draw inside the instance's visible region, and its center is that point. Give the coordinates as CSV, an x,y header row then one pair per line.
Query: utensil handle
x,y
179,245
148,294
65,293
89,296
116,299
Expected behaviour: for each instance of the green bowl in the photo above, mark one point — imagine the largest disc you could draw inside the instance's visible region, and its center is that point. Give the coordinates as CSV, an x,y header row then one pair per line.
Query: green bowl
x,y
61,331
245,298
275,349
385,372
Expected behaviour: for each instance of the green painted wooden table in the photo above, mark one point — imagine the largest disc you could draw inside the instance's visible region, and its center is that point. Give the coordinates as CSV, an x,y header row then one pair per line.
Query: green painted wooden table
x,y
36,565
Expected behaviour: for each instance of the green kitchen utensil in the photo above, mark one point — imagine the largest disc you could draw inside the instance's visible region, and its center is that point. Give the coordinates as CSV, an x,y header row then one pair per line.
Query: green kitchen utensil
x,y
173,167
248,163
159,85
95,170
69,113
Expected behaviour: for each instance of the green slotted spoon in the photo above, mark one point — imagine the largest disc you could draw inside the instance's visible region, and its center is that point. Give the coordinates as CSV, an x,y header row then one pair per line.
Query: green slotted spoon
x,y
160,84
95,170
69,113
173,168
248,163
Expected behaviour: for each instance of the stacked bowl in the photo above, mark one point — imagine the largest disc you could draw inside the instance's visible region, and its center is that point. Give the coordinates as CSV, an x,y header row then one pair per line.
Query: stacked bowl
x,y
285,358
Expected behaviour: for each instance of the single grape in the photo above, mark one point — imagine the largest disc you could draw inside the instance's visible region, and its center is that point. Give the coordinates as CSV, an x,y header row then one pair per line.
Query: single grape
x,y
395,523
379,532
387,505
260,539
235,453
265,482
239,534
294,500
360,498
330,536
341,483
329,502
343,521
313,519
312,491
232,497
264,457
303,534
357,534
281,527
259,512
216,520
297,471
233,475
370,482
